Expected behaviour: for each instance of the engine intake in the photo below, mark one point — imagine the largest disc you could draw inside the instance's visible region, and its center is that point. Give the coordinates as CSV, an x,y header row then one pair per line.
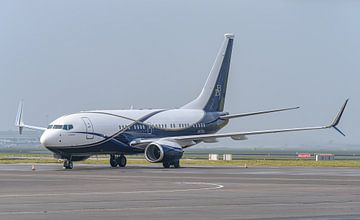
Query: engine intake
x,y
158,152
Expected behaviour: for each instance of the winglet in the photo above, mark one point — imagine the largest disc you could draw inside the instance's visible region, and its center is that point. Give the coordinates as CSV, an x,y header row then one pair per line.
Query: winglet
x,y
19,117
338,118
20,123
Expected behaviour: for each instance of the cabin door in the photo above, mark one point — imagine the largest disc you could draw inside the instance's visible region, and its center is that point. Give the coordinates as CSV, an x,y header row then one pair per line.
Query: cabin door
x,y
89,128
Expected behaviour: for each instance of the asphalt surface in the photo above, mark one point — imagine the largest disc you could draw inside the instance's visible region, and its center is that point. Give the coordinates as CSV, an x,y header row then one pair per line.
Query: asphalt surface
x,y
150,192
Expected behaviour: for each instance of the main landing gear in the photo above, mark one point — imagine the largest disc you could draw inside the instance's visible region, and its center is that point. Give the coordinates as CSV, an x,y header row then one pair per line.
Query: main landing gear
x,y
68,164
175,163
117,160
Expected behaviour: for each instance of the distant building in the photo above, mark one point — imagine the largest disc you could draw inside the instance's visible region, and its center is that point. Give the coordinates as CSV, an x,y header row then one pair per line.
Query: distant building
x,y
213,156
227,157
324,157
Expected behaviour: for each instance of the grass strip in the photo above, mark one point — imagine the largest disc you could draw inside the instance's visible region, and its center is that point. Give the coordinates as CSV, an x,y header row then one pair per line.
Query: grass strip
x,y
197,162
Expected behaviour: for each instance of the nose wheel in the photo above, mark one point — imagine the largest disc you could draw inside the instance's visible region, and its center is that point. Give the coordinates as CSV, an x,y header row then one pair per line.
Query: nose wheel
x,y
68,164
118,160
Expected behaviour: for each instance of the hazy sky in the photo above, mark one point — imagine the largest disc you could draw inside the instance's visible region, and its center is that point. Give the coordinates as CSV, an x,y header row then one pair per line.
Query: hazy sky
x,y
66,56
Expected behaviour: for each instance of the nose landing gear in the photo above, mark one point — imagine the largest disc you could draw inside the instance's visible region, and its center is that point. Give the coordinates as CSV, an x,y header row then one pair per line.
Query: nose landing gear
x,y
118,160
68,164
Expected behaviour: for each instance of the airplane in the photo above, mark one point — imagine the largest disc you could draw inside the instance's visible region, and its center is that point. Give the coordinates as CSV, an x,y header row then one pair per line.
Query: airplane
x,y
160,134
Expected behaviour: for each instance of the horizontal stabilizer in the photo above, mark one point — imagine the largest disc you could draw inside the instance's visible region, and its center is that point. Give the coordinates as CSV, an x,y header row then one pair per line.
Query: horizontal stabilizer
x,y
256,113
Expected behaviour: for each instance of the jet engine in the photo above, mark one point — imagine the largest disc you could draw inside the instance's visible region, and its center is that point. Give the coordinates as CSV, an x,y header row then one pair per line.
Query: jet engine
x,y
161,151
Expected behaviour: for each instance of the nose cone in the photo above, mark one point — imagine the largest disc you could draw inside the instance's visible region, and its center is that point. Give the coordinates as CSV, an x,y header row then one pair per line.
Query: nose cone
x,y
48,138
44,140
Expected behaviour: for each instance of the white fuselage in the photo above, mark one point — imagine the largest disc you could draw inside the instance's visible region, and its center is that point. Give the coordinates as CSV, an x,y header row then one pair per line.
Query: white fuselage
x,y
93,127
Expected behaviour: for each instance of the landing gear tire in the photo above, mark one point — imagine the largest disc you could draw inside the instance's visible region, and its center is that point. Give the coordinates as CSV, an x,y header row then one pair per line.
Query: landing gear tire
x,y
113,162
68,164
177,164
116,160
166,164
122,161
71,165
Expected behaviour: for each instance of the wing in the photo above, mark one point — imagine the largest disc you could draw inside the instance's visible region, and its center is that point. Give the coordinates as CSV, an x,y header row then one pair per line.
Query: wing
x,y
190,140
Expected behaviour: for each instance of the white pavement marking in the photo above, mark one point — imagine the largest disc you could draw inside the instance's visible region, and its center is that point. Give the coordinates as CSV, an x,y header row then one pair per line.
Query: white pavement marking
x,y
210,186
114,178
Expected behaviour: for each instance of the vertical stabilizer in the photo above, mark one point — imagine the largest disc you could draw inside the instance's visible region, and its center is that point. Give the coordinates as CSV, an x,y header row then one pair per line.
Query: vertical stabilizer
x,y
212,96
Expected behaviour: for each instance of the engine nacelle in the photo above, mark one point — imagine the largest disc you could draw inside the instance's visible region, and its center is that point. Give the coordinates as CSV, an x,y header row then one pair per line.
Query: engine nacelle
x,y
157,152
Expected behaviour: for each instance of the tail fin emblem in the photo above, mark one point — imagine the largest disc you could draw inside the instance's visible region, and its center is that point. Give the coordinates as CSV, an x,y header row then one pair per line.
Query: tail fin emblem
x,y
218,90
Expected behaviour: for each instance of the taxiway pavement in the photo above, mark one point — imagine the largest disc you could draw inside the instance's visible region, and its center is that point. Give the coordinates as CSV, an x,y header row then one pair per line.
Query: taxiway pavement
x,y
150,192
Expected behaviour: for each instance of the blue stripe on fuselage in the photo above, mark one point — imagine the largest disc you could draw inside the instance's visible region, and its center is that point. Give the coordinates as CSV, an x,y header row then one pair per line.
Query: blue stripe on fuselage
x,y
119,142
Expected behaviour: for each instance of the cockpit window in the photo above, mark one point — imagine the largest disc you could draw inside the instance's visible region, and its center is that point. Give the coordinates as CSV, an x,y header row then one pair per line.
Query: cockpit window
x,y
68,127
64,127
57,127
